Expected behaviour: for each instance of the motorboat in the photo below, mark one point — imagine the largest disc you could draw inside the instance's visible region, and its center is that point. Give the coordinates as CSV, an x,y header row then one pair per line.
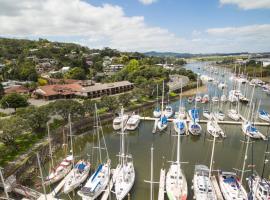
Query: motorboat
x,y
76,176
263,115
168,112
259,187
118,121
162,123
133,122
250,130
207,114
233,114
231,187
202,184
219,115
60,171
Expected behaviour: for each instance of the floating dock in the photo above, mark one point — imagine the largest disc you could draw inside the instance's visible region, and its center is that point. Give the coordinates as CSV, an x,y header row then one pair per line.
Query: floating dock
x,y
161,190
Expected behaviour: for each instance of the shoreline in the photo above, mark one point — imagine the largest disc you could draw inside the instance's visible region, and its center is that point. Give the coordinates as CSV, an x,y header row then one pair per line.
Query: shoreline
x,y
25,163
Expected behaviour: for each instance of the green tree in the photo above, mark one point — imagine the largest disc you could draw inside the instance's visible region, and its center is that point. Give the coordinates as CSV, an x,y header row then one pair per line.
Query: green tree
x,y
13,100
10,129
89,106
66,107
28,72
125,99
133,65
37,117
109,102
76,73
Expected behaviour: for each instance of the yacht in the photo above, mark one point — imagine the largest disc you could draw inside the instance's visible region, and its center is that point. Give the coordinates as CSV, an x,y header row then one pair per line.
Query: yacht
x,y
194,128
219,115
207,114
231,187
212,129
233,114
202,185
250,130
99,180
133,122
215,99
118,121
263,115
157,111
77,176
176,183
223,98
124,174
60,171
168,111
259,187
198,98
162,123
180,126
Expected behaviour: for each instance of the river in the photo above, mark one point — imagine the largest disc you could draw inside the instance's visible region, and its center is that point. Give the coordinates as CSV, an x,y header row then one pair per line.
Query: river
x,y
229,152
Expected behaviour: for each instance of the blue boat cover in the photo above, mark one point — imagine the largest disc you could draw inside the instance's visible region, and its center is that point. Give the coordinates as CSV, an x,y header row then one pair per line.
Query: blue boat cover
x,y
157,109
263,112
229,180
180,125
97,171
164,120
80,166
195,113
252,129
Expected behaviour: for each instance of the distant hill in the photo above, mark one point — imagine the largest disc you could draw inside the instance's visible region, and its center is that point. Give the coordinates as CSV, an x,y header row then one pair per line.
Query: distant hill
x,y
187,55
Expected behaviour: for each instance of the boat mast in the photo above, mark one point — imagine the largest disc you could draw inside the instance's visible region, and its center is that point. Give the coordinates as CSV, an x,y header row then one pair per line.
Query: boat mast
x,y
152,172
122,148
244,162
212,157
97,132
71,140
180,102
41,174
162,100
157,95
50,145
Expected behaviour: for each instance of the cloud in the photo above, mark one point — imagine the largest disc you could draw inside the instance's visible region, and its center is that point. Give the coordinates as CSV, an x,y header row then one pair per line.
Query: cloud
x,y
147,2
108,25
248,4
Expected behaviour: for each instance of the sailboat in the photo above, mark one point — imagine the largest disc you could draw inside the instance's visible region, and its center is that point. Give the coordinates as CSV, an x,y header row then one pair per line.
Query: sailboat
x,y
157,111
259,185
214,129
61,170
124,174
234,114
194,127
80,171
163,120
202,184
180,125
176,183
99,180
263,115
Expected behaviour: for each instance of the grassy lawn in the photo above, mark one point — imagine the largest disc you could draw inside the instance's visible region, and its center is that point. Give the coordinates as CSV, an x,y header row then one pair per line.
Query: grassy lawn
x,y
23,142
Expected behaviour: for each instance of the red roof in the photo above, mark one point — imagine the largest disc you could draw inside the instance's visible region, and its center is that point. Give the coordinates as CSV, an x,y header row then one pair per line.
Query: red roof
x,y
16,89
65,89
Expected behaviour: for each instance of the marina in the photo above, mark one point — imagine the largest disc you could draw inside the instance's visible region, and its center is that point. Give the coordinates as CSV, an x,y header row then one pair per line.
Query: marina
x,y
195,150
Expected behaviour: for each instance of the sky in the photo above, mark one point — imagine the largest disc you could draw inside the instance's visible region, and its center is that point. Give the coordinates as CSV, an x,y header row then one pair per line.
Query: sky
x,y
184,26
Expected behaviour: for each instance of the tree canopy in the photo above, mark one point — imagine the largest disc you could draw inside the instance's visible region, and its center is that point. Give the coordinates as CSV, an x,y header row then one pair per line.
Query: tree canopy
x,y
13,100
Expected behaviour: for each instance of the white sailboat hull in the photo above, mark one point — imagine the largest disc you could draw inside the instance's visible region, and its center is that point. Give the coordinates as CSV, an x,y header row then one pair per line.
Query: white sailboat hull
x,y
156,113
123,178
194,130
233,115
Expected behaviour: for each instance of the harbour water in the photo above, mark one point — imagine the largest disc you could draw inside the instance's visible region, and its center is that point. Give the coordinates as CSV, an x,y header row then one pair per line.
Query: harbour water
x,y
229,152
